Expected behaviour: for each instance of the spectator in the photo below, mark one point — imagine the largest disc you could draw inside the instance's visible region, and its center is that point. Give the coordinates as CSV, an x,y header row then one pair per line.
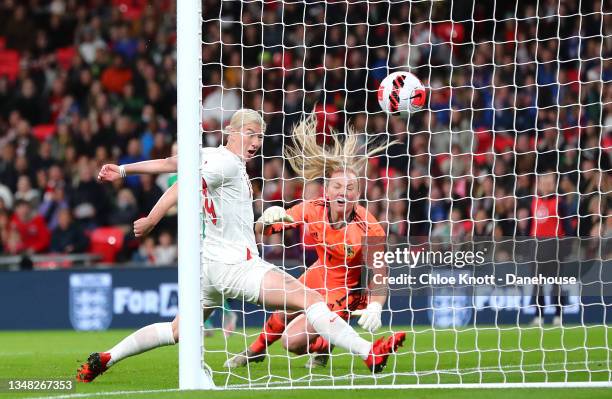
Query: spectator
x,y
6,196
146,252
32,234
67,237
8,173
133,155
482,224
547,226
161,147
85,140
88,199
131,105
124,44
220,105
116,76
125,211
148,193
44,160
53,204
20,29
523,225
61,142
90,44
590,193
25,144
25,191
166,251
30,104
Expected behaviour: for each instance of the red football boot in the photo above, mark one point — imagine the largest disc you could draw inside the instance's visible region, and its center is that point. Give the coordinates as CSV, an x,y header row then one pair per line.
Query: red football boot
x,y
382,348
96,364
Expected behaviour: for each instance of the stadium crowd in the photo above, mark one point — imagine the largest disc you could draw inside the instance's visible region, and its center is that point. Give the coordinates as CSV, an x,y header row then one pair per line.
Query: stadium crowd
x,y
509,99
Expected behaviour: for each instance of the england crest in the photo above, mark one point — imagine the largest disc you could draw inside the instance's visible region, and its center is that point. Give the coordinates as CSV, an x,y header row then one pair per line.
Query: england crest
x,y
91,301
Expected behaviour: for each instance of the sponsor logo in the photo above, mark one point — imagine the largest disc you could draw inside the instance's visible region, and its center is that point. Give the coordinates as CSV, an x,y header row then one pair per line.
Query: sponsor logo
x,y
163,301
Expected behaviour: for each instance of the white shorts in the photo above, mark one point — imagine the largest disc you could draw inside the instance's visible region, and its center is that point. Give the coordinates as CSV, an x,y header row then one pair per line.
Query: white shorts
x,y
239,280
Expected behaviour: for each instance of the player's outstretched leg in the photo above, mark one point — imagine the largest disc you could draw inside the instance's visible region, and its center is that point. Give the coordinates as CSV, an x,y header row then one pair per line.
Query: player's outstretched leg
x,y
338,332
281,290
147,338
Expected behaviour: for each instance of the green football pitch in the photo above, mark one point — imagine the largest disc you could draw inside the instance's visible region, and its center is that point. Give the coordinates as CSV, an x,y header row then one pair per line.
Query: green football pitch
x,y
488,354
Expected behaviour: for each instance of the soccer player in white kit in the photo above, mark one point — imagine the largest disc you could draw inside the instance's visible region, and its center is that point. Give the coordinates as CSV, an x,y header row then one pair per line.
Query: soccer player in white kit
x,y
231,266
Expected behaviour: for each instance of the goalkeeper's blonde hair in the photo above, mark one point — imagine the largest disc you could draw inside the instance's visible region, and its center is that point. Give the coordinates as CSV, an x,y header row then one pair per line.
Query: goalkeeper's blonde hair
x,y
244,116
312,161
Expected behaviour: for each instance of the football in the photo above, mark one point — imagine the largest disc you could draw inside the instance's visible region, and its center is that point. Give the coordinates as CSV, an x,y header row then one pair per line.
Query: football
x,y
401,92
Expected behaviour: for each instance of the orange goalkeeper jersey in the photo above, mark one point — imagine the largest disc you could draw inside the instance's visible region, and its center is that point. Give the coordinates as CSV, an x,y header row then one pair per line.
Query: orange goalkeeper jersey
x,y
339,250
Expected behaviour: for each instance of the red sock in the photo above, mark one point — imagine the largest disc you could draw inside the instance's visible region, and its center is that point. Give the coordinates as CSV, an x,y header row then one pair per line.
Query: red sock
x,y
319,345
272,332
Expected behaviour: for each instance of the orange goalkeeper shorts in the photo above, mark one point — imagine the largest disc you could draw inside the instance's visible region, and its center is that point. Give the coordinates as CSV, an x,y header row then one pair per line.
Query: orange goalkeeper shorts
x,y
340,300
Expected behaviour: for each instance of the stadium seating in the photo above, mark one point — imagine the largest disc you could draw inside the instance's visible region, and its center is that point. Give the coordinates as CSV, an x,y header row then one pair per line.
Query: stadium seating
x,y
43,132
9,63
64,56
107,242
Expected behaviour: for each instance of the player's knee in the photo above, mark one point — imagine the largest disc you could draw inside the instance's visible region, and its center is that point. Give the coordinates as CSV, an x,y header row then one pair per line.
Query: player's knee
x,y
312,297
175,330
285,341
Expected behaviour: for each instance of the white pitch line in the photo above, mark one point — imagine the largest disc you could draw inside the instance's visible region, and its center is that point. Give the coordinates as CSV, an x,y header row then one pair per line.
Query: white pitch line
x,y
494,385
484,385
486,369
111,393
281,385
40,352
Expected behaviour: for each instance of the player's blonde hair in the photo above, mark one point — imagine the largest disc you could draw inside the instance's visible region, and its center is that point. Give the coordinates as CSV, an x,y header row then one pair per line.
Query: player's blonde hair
x,y
244,116
313,161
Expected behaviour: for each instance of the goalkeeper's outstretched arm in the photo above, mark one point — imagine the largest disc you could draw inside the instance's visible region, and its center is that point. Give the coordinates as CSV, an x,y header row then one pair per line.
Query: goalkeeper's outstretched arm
x,y
144,225
111,172
276,219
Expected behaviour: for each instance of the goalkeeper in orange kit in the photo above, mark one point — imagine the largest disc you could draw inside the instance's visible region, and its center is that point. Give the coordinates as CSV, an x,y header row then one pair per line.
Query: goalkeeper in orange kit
x,y
338,227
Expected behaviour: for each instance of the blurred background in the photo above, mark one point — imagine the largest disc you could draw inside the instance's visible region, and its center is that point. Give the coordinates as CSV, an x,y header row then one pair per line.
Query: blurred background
x,y
515,90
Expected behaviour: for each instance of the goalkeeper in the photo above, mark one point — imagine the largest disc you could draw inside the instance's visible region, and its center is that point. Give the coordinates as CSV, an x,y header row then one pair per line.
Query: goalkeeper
x,y
338,226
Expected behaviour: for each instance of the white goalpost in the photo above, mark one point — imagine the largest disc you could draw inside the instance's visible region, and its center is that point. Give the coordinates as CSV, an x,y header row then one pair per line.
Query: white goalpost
x,y
511,153
192,374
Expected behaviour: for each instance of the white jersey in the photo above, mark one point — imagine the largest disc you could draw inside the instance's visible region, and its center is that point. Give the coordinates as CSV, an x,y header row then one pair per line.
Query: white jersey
x,y
227,206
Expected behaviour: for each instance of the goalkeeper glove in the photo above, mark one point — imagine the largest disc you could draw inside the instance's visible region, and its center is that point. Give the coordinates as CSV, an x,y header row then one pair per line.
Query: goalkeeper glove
x,y
370,317
275,214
